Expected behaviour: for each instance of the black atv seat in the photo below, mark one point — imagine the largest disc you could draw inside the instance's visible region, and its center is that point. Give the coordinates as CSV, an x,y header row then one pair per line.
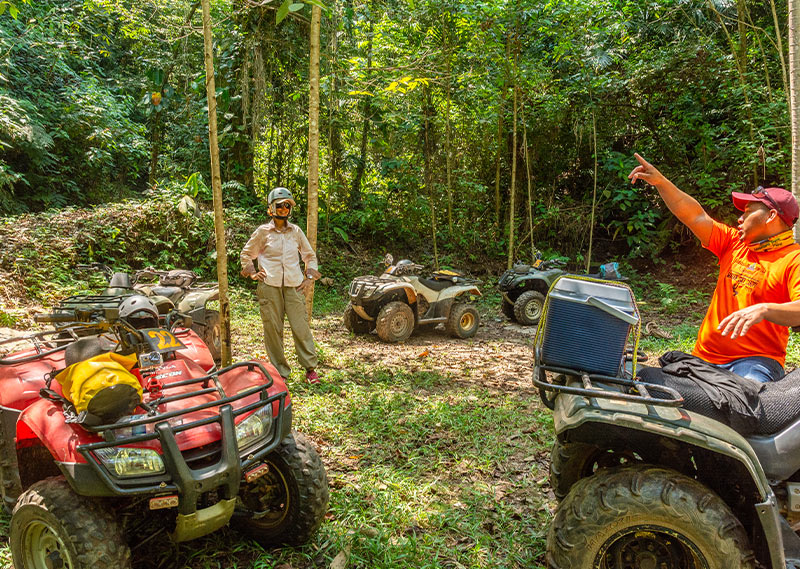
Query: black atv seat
x,y
173,293
86,348
120,280
435,284
780,400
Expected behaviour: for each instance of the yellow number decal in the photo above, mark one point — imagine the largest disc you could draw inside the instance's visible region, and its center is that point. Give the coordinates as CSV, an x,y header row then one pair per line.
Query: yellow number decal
x,y
165,339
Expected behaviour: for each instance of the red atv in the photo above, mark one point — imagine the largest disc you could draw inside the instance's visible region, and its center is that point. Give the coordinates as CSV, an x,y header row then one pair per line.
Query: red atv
x,y
190,450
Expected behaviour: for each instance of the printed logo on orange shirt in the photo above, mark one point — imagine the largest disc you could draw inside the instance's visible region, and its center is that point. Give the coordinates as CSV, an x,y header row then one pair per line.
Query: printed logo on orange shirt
x,y
745,276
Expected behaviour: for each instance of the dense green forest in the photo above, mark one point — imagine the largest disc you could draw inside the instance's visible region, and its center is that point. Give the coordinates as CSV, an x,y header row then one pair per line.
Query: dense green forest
x,y
437,117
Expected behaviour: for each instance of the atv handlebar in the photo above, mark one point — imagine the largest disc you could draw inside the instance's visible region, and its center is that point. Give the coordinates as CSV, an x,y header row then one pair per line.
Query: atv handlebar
x,y
59,318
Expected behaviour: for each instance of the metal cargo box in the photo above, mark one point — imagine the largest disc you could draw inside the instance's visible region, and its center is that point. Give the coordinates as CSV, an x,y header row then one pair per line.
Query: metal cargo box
x,y
587,326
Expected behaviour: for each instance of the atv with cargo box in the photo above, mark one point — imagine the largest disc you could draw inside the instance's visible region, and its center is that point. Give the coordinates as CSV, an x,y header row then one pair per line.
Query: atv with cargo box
x,y
524,287
648,471
400,301
114,427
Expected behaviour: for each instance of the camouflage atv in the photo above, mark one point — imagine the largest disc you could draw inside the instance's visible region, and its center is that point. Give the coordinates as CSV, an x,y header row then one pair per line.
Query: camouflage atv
x,y
649,474
399,301
178,289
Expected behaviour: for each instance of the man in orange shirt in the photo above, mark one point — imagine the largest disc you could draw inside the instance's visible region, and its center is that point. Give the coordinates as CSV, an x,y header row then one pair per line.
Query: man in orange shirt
x,y
757,296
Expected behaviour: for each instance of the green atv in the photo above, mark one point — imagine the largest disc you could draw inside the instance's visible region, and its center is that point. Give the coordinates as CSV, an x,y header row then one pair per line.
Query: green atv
x,y
524,287
647,470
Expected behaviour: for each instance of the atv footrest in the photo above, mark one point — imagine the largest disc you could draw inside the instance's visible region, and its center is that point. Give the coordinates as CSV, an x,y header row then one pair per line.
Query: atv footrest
x,y
635,391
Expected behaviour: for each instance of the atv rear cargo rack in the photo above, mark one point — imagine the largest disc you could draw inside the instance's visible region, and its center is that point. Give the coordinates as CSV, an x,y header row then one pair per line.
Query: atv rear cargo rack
x,y
642,389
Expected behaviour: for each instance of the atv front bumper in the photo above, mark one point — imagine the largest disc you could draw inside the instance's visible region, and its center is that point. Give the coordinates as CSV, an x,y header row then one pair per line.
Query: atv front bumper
x,y
192,474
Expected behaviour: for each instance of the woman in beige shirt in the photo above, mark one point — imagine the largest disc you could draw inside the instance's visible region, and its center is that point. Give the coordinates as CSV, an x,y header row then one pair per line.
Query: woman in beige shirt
x,y
278,246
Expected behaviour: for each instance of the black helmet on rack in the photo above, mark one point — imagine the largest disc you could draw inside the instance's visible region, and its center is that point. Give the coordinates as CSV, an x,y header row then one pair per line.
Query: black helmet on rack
x,y
139,311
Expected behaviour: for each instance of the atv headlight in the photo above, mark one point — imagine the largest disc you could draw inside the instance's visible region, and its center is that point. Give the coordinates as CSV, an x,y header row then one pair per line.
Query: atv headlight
x,y
256,427
129,461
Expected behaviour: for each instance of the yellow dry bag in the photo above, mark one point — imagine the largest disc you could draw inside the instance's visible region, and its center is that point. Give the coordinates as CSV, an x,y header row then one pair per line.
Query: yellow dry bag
x,y
102,386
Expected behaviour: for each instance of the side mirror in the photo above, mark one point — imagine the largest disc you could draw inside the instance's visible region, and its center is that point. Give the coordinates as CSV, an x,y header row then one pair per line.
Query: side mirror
x,y
388,259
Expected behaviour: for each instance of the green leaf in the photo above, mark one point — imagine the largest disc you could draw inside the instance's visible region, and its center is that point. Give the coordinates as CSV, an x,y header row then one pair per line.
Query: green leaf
x,y
317,3
3,7
341,233
283,11
296,6
13,10
156,76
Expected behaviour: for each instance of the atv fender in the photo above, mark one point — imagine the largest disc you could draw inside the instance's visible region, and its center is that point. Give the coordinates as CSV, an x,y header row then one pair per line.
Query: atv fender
x,y
197,299
457,291
595,419
44,421
407,288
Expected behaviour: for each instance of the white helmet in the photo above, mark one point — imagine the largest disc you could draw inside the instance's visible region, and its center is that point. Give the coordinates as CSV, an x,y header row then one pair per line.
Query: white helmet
x,y
279,195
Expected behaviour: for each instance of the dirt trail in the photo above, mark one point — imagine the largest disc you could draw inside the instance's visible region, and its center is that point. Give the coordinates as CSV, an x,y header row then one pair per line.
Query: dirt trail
x,y
500,356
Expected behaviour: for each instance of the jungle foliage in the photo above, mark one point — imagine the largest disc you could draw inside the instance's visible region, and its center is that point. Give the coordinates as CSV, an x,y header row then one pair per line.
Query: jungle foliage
x,y
105,98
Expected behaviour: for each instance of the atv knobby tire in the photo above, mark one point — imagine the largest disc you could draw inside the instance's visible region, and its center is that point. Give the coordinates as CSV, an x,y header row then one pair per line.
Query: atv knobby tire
x,y
286,505
528,307
354,323
53,527
644,516
212,334
507,308
463,321
395,322
570,462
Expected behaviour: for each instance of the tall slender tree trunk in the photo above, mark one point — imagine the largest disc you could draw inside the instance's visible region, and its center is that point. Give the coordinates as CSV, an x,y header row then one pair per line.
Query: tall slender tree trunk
x,y
528,178
313,141
155,149
794,98
448,128
428,151
500,139
779,41
497,158
594,192
216,187
512,200
355,188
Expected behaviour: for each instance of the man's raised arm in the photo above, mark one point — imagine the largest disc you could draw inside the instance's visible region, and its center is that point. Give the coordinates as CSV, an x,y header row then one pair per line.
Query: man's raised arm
x,y
687,209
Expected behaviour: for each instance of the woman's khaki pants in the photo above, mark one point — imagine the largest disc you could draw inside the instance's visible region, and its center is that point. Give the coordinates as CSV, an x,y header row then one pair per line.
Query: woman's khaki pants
x,y
274,302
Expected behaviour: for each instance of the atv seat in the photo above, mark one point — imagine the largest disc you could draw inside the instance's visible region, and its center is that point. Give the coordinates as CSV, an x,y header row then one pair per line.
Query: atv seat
x,y
435,284
86,348
173,293
780,400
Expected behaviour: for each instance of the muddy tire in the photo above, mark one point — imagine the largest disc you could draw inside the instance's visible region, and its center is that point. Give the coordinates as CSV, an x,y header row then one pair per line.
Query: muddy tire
x,y
212,334
571,462
53,527
287,504
528,307
463,321
642,516
507,308
395,322
354,323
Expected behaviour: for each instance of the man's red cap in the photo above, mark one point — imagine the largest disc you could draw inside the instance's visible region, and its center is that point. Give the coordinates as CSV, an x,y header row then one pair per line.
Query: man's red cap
x,y
778,199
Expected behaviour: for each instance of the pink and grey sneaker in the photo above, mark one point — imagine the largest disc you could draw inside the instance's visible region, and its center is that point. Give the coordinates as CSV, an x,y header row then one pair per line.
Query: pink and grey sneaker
x,y
312,376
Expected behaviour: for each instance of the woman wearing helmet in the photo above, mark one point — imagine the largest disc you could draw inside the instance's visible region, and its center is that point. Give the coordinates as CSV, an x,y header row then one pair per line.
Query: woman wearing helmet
x,y
278,246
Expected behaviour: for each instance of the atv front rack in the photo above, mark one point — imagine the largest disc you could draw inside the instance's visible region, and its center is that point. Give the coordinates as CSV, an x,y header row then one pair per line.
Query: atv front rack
x,y
164,431
634,391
